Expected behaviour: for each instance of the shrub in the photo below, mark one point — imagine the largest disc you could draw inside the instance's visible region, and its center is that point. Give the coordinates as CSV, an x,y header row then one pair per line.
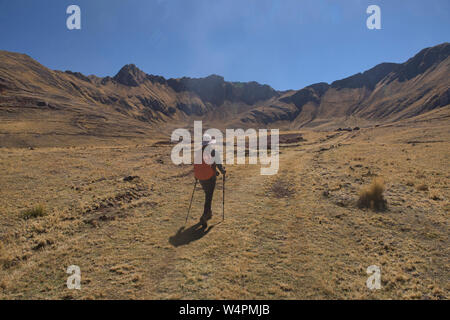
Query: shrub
x,y
38,211
372,196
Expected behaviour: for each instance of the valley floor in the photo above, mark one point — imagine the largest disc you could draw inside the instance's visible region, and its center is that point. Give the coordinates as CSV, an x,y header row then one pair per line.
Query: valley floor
x,y
295,235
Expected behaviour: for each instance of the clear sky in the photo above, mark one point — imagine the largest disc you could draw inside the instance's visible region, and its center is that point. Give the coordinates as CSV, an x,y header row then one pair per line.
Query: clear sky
x,y
287,44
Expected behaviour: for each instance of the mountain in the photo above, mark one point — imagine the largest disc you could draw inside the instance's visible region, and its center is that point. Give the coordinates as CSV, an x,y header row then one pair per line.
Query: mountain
x,y
387,92
36,101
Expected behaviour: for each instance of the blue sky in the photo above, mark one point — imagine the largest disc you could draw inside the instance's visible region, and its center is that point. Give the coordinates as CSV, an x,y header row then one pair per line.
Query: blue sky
x,y
287,44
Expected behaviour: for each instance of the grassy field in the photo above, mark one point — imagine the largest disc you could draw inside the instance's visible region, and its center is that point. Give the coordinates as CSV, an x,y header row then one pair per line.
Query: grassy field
x,y
116,211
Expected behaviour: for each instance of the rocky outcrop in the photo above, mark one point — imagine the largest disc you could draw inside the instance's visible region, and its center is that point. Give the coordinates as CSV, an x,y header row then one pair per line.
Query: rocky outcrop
x,y
78,75
366,79
214,89
130,75
311,93
421,62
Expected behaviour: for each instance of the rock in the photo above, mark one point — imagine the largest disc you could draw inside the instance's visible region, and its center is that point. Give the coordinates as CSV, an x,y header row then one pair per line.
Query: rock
x,y
130,178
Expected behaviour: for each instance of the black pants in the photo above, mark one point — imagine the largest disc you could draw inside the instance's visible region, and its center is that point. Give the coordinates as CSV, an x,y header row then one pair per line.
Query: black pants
x,y
208,186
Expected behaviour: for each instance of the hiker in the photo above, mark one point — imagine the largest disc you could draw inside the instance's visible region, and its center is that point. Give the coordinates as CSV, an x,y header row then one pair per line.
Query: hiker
x,y
206,174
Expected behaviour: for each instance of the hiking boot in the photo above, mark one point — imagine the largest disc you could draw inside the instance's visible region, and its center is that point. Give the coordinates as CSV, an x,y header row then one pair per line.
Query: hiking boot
x,y
203,222
208,216
204,219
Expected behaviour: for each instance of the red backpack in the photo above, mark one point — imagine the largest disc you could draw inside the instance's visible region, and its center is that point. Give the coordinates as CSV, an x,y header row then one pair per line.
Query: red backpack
x,y
203,171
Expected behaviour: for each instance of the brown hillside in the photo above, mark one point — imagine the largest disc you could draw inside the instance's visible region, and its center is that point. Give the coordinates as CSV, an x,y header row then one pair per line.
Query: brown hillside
x,y
39,106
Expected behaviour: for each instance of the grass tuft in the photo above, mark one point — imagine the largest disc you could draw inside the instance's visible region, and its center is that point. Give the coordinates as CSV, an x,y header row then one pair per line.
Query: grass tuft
x,y
38,211
372,196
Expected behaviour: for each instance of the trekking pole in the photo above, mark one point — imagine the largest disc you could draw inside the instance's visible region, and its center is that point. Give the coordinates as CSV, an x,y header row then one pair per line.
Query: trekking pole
x,y
223,197
190,204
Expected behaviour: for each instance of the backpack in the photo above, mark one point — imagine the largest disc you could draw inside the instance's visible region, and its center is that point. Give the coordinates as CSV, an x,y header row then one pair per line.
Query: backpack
x,y
203,171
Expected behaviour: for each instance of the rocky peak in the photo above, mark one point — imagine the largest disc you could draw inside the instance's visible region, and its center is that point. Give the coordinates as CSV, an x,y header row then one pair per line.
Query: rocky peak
x,y
130,75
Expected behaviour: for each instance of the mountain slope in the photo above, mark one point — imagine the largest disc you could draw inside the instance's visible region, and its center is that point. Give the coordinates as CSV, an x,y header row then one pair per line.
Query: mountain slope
x,y
35,100
387,92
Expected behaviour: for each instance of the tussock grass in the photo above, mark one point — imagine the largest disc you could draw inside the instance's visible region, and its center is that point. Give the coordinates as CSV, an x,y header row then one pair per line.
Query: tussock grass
x,y
35,212
372,196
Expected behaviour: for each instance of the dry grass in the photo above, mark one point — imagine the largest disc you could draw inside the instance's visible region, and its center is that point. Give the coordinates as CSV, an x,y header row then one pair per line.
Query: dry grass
x,y
410,183
436,195
5,257
2,252
281,238
35,212
281,187
422,187
372,196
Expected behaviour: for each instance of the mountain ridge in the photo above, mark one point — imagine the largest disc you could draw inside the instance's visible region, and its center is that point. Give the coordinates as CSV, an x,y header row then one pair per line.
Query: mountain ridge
x,y
135,102
132,69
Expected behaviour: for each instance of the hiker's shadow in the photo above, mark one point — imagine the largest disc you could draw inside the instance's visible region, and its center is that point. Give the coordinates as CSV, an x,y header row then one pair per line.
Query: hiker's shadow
x,y
186,236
